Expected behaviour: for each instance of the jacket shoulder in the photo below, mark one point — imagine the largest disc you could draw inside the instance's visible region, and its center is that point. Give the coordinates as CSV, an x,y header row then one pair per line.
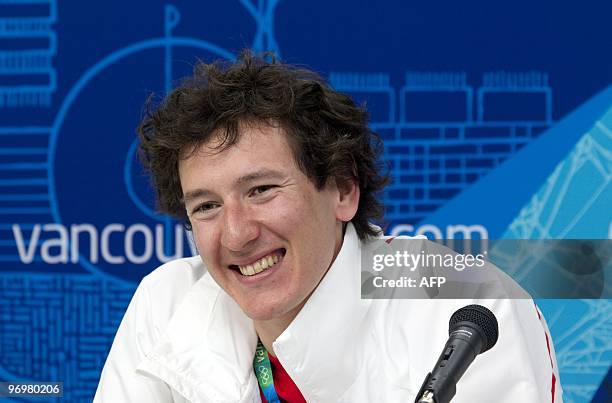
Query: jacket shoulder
x,y
167,285
176,274
156,299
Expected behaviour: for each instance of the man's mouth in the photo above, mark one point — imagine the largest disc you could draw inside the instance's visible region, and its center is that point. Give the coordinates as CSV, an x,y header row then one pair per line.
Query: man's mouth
x,y
261,264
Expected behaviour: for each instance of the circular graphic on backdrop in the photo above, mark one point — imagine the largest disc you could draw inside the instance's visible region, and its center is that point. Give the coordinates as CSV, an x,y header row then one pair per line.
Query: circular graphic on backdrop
x,y
99,192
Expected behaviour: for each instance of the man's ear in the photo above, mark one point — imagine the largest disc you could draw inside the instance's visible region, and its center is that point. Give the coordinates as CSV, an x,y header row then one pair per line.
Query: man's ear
x,y
348,199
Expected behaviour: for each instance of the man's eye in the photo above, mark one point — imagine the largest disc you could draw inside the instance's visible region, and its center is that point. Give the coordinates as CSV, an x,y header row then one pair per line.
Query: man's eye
x,y
261,189
205,207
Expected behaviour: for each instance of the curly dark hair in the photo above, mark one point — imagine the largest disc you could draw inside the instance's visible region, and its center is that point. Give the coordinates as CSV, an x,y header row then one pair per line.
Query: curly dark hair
x,y
327,131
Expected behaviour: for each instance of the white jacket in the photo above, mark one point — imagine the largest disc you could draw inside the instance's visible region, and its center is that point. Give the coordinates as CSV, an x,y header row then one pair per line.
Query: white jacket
x,y
183,339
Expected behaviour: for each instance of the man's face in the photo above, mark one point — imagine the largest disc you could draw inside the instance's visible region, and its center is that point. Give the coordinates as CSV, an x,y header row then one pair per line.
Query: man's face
x,y
265,232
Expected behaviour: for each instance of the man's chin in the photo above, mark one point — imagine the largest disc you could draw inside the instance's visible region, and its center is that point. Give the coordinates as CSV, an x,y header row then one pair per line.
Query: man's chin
x,y
270,313
262,315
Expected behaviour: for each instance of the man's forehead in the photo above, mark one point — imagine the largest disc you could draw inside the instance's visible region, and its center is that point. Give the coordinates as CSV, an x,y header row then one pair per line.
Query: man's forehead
x,y
248,135
260,153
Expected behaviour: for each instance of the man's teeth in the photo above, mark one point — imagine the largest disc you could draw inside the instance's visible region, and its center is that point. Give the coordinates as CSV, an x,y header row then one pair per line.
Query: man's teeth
x,y
262,264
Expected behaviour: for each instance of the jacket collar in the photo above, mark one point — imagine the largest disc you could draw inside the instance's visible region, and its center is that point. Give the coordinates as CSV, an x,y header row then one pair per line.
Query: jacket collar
x,y
322,342
207,350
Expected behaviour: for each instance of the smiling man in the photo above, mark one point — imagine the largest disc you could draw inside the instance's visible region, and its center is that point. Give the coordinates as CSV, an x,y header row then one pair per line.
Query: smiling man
x,y
267,234
276,176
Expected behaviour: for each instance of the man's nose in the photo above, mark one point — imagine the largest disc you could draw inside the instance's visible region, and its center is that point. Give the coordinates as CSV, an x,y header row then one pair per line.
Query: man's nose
x,y
239,227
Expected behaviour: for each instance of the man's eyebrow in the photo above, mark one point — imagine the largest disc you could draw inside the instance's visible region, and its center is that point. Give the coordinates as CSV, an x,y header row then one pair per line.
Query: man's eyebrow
x,y
261,174
195,194
257,175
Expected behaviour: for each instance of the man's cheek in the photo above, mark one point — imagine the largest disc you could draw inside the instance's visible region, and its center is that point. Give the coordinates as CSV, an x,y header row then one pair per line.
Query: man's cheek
x,y
282,215
205,247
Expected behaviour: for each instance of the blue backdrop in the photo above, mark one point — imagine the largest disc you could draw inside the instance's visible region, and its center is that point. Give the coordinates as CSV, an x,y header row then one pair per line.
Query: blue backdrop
x,y
496,118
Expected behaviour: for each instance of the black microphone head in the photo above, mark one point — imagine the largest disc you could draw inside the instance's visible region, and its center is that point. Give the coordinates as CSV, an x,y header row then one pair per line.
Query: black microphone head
x,y
481,318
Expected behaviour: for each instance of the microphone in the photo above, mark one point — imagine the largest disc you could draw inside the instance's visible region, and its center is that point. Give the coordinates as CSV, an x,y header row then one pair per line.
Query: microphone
x,y
471,330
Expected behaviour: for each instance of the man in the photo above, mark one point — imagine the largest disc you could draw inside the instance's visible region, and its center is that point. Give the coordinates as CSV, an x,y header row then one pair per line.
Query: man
x,y
275,173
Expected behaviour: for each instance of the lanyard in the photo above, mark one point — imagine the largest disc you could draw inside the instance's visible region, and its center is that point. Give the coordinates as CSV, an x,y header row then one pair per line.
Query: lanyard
x,y
263,371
